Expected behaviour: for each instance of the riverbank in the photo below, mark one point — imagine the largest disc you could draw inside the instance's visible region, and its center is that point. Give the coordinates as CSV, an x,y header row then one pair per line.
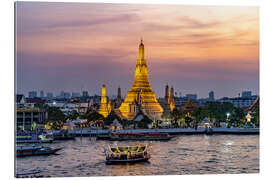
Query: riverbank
x,y
175,131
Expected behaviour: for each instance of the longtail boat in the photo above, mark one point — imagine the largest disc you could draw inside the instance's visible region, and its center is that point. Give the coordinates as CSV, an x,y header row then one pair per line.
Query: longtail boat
x,y
34,150
127,154
33,137
150,136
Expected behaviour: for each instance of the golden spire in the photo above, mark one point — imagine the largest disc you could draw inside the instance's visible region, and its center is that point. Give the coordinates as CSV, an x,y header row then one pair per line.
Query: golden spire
x,y
103,94
141,91
103,110
141,72
141,50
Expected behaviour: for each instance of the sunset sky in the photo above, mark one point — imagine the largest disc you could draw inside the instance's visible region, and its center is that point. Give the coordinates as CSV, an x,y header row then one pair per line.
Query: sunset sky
x,y
70,46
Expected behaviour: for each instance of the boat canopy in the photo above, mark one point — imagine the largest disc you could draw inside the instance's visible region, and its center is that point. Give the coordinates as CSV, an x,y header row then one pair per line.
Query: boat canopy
x,y
126,149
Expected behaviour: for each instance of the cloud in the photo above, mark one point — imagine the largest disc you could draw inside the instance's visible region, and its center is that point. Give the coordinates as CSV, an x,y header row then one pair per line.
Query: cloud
x,y
64,44
192,23
93,21
38,27
206,69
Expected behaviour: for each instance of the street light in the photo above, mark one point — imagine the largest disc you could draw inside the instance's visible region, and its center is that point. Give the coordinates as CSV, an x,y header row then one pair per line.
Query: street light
x,y
248,117
228,115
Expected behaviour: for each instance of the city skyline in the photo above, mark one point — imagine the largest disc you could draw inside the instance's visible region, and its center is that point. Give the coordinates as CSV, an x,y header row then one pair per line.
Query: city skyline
x,y
114,96
67,46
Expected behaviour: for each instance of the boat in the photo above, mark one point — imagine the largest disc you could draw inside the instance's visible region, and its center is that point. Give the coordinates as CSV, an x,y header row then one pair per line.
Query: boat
x,y
208,131
34,150
103,137
127,154
63,135
149,136
28,174
33,137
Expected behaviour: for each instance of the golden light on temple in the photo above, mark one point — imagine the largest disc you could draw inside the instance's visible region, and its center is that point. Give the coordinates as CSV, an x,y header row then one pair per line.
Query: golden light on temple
x,y
141,92
103,109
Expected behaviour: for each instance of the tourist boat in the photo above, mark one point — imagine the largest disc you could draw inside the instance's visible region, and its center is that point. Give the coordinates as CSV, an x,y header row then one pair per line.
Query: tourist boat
x,y
33,137
149,136
34,150
127,154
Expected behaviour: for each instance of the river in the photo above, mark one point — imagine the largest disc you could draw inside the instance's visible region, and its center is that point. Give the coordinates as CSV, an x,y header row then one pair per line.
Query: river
x,y
185,154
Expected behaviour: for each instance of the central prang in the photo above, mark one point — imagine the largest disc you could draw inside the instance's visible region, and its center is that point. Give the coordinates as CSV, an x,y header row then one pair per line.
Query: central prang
x,y
141,93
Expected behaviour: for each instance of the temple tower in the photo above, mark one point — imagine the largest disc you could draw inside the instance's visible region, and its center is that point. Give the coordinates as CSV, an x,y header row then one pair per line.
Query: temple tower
x,y
103,109
167,93
119,98
171,101
110,105
172,93
141,89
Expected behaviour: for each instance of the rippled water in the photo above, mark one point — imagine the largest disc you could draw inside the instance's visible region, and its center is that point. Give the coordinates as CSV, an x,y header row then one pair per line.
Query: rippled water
x,y
192,154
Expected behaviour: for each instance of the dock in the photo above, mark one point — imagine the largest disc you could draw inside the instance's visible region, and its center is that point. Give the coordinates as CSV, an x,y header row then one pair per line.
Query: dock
x,y
172,131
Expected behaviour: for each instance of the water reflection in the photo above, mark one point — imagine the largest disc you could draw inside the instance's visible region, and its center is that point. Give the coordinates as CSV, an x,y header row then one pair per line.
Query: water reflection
x,y
198,154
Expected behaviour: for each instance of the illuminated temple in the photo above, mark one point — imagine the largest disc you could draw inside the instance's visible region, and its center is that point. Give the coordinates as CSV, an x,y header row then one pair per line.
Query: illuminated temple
x,y
103,109
141,97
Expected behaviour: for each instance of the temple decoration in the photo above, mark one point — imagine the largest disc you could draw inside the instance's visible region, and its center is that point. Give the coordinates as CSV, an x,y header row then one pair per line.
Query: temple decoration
x,y
171,100
119,98
167,95
110,105
141,93
103,109
189,106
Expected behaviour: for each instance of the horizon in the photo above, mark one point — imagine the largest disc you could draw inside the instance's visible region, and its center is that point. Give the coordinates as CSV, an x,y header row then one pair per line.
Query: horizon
x,y
74,46
115,95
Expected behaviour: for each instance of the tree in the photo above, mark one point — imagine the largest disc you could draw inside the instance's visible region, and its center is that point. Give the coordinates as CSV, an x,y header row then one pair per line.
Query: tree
x,y
74,115
55,114
198,115
256,117
56,118
176,116
144,122
93,116
188,120
125,122
110,118
216,112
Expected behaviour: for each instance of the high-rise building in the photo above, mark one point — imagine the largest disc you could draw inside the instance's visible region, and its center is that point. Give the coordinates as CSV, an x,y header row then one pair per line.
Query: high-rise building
x,y
75,94
192,96
49,95
66,95
246,94
41,94
62,94
211,96
85,94
32,94
141,93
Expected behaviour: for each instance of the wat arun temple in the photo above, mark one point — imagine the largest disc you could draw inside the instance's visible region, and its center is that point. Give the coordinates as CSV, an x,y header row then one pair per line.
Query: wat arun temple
x,y
140,98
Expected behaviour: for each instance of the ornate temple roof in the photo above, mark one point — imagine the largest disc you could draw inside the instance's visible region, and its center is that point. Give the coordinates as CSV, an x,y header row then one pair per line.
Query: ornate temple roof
x,y
141,92
190,105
